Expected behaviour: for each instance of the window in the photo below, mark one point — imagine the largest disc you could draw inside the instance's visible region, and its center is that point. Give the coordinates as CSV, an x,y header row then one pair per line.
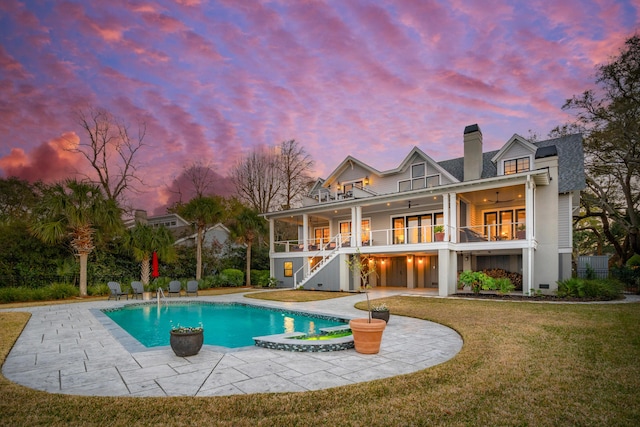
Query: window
x,y
288,269
415,228
418,170
321,235
433,181
516,165
345,231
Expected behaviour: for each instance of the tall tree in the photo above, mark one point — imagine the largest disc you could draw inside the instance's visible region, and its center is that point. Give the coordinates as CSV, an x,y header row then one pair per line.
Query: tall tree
x,y
144,240
111,150
609,118
295,165
76,211
203,212
257,179
246,227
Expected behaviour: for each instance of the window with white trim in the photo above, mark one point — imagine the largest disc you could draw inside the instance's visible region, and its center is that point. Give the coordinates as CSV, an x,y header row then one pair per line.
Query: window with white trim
x,y
512,166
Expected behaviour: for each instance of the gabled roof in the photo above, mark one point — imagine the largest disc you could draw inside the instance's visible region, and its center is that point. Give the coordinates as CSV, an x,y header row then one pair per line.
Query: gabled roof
x,y
402,167
347,162
195,235
570,162
515,139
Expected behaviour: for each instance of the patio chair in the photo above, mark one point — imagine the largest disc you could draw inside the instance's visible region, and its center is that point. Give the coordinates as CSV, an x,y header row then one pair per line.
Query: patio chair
x,y
116,291
137,288
175,287
192,287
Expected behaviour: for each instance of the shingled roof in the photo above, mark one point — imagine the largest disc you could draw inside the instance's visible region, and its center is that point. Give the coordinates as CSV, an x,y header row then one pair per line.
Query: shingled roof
x,y
570,163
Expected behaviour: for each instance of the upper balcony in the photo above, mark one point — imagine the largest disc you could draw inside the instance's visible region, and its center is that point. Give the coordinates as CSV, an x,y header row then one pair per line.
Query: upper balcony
x,y
412,238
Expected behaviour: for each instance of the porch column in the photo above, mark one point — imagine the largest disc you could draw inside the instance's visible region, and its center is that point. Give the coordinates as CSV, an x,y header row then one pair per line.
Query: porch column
x,y
272,237
527,270
445,214
357,226
447,272
305,232
453,208
529,208
352,238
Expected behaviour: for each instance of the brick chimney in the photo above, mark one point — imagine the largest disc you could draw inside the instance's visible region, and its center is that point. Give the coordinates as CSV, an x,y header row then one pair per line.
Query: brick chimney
x,y
472,152
140,216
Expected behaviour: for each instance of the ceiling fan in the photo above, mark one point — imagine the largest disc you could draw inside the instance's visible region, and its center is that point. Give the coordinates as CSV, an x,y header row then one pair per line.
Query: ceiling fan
x,y
497,200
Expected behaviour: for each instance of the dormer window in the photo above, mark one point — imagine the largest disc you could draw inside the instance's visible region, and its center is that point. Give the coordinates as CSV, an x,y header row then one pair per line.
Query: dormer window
x,y
517,165
419,179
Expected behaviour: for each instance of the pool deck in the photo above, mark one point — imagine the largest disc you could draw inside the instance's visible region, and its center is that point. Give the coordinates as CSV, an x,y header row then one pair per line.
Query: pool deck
x,y
68,349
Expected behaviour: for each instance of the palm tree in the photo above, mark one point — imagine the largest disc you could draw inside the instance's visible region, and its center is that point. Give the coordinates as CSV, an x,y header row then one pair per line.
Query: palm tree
x,y
75,210
144,240
202,212
246,228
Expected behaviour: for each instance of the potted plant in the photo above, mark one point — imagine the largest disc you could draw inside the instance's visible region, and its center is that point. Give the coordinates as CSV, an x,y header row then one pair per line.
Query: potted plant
x,y
367,333
438,231
186,341
521,232
380,311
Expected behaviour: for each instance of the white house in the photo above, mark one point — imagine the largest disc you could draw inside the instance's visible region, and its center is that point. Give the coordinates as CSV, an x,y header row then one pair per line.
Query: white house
x,y
425,221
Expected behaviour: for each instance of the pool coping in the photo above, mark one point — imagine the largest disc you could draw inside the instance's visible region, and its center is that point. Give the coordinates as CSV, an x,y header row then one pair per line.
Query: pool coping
x,y
65,349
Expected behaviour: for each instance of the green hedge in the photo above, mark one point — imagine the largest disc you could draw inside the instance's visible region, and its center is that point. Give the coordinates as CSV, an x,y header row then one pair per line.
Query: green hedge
x,y
607,289
230,277
52,292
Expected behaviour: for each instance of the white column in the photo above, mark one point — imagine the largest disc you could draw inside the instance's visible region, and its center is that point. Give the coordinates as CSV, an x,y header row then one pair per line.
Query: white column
x,y
453,211
272,236
352,238
445,214
305,231
529,208
357,226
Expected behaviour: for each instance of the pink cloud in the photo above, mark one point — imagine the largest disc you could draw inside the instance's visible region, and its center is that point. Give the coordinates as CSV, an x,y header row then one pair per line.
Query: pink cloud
x,y
48,162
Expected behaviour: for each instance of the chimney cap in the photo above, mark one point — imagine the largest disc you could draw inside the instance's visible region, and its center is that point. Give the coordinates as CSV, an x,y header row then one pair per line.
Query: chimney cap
x,y
472,128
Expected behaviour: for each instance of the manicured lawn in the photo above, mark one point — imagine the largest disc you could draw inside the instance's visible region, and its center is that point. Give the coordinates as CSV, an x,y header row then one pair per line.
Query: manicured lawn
x,y
521,364
297,295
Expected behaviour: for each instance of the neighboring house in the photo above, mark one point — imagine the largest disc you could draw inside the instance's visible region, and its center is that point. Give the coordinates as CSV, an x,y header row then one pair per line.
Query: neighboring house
x,y
178,226
425,221
216,236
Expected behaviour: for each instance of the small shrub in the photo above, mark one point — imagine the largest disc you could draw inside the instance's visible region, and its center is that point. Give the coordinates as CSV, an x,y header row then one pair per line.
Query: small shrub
x,y
606,289
503,285
477,280
98,290
206,282
260,277
231,277
61,291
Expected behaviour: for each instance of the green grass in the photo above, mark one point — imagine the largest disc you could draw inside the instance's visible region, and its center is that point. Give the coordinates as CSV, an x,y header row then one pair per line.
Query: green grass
x,y
297,295
521,364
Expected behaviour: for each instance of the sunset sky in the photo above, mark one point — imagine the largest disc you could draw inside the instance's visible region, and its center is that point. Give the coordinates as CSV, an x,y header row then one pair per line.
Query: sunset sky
x,y
371,79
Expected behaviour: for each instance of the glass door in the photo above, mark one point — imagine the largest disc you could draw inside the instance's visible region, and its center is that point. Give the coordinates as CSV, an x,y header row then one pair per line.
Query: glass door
x,y
491,225
398,231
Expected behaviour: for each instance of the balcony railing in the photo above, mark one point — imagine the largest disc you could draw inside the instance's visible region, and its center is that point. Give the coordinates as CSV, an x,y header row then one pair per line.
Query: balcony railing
x,y
409,236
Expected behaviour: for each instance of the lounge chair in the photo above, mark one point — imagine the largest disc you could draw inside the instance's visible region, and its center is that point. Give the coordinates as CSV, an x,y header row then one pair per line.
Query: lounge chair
x,y
137,289
175,287
192,287
116,291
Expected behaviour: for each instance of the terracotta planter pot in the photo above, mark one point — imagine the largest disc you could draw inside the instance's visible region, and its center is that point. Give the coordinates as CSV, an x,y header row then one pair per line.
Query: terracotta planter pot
x,y
384,315
188,344
367,336
439,237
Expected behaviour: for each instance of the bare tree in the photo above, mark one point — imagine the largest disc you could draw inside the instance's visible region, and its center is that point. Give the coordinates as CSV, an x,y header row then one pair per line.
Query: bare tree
x,y
257,179
294,165
110,150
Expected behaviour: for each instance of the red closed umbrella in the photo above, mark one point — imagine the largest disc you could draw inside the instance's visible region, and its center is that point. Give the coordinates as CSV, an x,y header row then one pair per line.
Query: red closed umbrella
x,y
154,263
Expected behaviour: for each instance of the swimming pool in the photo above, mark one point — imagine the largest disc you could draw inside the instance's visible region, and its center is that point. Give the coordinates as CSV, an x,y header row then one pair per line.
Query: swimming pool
x,y
227,325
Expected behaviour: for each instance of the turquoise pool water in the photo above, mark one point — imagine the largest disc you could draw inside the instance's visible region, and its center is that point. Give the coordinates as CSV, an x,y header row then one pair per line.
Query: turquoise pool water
x,y
226,325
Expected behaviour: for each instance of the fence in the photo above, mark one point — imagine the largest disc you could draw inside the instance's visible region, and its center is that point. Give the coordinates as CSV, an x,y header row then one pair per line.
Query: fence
x,y
596,266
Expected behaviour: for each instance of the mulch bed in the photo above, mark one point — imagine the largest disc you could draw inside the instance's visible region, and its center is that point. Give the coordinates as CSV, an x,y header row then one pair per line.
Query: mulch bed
x,y
510,297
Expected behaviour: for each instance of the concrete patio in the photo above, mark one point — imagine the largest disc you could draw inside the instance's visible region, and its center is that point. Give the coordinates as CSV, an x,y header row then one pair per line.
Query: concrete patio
x,y
68,349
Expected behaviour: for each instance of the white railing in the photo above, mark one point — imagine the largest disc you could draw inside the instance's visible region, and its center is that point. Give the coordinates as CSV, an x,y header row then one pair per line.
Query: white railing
x,y
410,235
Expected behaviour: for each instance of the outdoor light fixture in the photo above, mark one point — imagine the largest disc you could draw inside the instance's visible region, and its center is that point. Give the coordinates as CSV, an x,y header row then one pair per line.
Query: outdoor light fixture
x,y
409,258
366,180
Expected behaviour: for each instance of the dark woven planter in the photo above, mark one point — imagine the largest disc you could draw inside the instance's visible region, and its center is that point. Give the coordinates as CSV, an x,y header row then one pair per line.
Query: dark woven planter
x,y
186,344
384,315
